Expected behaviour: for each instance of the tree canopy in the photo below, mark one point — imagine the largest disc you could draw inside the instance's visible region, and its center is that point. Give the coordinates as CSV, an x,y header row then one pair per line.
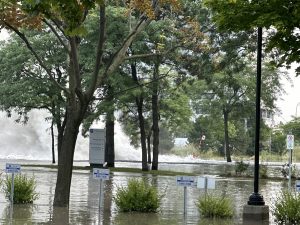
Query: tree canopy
x,y
280,17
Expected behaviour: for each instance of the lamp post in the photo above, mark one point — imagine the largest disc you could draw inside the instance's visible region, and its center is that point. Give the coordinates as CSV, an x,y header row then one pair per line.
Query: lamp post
x,y
255,198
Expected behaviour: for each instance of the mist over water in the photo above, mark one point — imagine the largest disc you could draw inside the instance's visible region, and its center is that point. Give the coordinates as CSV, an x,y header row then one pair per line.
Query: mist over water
x,y
32,140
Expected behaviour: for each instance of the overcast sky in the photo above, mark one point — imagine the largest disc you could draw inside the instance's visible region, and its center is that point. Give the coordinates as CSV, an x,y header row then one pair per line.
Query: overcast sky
x,y
290,100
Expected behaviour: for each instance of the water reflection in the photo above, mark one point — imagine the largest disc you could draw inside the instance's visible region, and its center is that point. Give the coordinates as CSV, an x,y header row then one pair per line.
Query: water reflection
x,y
21,214
84,200
216,222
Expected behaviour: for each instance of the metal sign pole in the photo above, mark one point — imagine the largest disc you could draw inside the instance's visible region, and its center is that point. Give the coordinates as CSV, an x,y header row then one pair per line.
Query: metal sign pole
x,y
12,188
290,169
100,194
184,201
290,147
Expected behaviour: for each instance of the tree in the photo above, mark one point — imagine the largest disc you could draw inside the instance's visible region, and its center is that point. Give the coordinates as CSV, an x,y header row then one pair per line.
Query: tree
x,y
66,20
227,70
280,17
24,84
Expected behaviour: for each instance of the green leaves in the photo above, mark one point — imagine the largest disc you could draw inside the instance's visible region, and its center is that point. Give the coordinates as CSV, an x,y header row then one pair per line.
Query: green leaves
x,y
212,206
286,208
24,189
279,14
137,196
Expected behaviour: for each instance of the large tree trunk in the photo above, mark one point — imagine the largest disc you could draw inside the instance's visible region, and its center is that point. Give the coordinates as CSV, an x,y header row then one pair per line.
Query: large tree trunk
x,y
110,143
52,142
110,129
65,162
149,147
155,117
226,136
139,103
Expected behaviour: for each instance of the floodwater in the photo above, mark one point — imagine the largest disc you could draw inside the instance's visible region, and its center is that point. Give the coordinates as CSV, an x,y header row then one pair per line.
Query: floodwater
x,y
84,200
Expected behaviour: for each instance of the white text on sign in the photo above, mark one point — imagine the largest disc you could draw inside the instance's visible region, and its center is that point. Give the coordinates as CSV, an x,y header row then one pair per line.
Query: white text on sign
x,y
185,181
12,168
101,174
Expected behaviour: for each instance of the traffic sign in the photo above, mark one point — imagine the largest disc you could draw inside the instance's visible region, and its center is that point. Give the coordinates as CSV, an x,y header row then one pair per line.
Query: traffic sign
x,y
297,185
12,168
290,141
206,183
101,174
185,181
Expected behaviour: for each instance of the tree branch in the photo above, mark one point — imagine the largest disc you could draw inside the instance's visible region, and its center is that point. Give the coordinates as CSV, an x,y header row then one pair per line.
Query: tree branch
x,y
57,35
120,54
99,55
141,56
48,71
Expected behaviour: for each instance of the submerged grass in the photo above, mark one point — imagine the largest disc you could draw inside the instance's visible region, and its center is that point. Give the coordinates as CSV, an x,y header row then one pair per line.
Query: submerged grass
x,y
286,208
24,189
213,206
138,196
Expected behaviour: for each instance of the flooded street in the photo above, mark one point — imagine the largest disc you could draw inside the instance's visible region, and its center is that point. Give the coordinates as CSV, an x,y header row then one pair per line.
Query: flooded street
x,y
84,199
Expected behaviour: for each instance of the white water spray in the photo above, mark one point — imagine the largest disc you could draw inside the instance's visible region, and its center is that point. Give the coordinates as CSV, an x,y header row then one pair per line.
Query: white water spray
x,y
32,141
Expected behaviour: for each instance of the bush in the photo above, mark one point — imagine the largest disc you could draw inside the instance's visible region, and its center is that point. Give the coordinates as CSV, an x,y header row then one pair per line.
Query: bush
x,y
285,171
286,208
24,189
137,196
240,167
215,207
263,171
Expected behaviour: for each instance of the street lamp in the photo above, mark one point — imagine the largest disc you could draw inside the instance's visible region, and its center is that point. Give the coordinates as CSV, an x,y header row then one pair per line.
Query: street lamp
x,y
255,198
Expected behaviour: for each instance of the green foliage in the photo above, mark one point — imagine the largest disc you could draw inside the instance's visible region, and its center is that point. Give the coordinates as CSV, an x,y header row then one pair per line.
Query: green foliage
x,y
285,171
191,149
263,171
286,208
137,196
240,167
278,144
211,128
236,15
211,206
24,189
292,127
166,142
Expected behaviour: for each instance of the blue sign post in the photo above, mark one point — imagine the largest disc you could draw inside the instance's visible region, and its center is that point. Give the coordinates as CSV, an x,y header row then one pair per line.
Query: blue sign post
x,y
12,168
290,147
185,181
102,175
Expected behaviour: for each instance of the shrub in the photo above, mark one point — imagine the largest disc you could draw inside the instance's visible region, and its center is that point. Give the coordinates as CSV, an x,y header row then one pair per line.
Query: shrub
x,y
24,189
137,196
286,208
263,171
285,171
240,167
215,206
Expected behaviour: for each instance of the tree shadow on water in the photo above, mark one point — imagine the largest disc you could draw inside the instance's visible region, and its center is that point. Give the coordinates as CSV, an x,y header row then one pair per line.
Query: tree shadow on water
x,y
205,221
136,219
20,214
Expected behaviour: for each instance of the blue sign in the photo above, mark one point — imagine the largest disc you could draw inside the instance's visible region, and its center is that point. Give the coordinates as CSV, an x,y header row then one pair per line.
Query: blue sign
x,y
12,168
101,174
298,185
185,181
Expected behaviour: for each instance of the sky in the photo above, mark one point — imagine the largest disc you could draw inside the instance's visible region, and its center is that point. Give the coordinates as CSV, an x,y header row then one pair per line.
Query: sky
x,y
286,104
